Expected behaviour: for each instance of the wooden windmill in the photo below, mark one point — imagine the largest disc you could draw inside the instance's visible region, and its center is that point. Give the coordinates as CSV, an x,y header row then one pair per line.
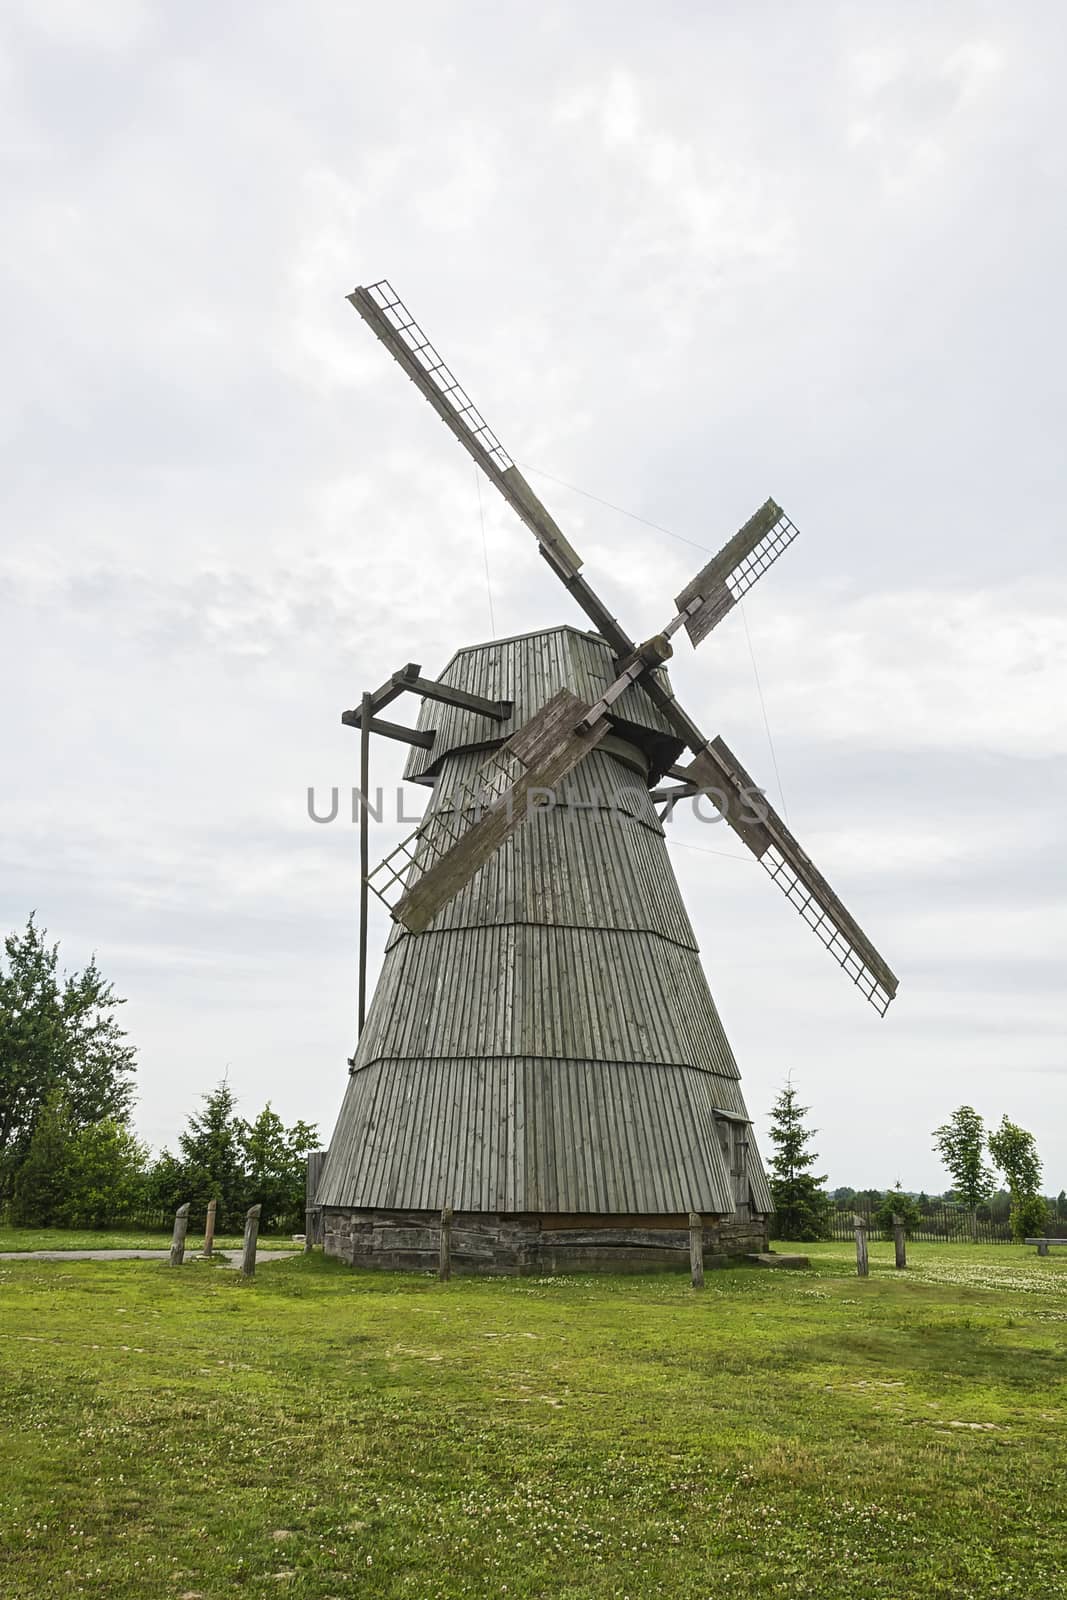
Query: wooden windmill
x,y
542,1054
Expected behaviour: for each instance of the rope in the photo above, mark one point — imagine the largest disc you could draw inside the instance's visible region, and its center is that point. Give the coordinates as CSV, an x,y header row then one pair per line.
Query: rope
x,y
706,849
573,487
485,548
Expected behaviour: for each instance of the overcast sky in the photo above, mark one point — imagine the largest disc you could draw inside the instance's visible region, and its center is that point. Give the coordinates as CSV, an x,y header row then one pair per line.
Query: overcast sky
x,y
683,257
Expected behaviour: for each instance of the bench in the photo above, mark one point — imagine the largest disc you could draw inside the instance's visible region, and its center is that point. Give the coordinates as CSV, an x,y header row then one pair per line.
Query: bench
x,y
1043,1244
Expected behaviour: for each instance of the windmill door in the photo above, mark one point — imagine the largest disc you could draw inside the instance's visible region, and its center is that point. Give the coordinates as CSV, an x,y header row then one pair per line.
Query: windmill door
x,y
733,1140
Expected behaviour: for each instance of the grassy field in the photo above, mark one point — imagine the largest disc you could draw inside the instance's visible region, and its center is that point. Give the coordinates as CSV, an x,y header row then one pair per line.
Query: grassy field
x,y
118,1239
324,1433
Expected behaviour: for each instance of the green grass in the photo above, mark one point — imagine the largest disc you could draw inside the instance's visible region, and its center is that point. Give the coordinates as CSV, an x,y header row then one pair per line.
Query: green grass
x,y
119,1239
322,1433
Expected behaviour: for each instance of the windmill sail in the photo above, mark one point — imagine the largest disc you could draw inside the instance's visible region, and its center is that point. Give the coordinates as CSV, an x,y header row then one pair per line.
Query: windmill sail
x,y
718,587
720,775
434,863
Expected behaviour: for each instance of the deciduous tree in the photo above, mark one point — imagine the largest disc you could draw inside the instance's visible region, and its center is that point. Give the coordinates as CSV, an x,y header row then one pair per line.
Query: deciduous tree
x,y
961,1143
1015,1152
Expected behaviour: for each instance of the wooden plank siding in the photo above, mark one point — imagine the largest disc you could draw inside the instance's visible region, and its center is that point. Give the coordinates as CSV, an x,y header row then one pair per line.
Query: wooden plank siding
x,y
549,1045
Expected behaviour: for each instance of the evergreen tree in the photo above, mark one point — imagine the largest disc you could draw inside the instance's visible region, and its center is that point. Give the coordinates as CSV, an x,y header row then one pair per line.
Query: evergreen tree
x,y
801,1204
960,1142
897,1202
212,1158
57,1032
1061,1203
40,1186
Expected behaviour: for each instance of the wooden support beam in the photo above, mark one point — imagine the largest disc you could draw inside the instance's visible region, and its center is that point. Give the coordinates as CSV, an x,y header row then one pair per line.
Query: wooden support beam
x,y
899,1246
367,723
209,1227
388,730
393,686
499,710
862,1265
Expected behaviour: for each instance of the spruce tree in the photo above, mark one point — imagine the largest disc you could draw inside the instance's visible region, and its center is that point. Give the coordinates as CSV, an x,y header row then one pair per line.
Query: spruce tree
x,y
801,1204
212,1158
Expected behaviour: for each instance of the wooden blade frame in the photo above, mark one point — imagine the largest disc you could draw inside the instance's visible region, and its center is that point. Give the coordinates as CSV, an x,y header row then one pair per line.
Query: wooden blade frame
x,y
431,866
385,313
718,587
719,774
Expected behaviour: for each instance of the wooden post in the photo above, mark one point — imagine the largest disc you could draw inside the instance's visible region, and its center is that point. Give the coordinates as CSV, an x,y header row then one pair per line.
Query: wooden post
x,y
364,852
444,1264
248,1256
313,1232
861,1245
696,1250
177,1239
209,1227
898,1241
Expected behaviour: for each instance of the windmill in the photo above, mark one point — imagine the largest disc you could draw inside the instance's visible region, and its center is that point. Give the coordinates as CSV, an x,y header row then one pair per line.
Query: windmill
x,y
542,1054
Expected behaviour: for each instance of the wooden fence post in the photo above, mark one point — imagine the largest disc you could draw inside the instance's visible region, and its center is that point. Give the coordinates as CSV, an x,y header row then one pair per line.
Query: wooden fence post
x,y
313,1229
898,1241
696,1250
861,1245
209,1227
248,1257
177,1238
444,1264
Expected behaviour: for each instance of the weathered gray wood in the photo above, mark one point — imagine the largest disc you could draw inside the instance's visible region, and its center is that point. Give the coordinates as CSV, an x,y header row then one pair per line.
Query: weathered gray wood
x,y
444,1263
209,1227
364,855
313,1211
388,730
498,710
390,690
862,1265
752,817
177,1239
696,1250
548,746
248,1248
900,1248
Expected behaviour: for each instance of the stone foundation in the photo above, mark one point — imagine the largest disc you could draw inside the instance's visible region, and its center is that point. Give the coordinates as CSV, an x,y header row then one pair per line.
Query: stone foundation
x,y
408,1241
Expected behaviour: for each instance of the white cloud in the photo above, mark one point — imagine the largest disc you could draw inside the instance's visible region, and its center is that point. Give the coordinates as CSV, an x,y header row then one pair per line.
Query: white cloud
x,y
665,274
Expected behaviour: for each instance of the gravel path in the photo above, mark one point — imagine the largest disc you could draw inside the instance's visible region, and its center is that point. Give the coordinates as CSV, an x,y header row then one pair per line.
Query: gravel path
x,y
231,1257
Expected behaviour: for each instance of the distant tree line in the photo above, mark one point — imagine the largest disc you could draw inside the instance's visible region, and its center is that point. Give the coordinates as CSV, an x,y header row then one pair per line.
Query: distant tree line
x,y
804,1209
68,1154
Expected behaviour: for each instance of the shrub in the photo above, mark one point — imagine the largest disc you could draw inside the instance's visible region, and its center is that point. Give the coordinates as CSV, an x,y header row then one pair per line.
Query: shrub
x,y
1029,1217
896,1200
